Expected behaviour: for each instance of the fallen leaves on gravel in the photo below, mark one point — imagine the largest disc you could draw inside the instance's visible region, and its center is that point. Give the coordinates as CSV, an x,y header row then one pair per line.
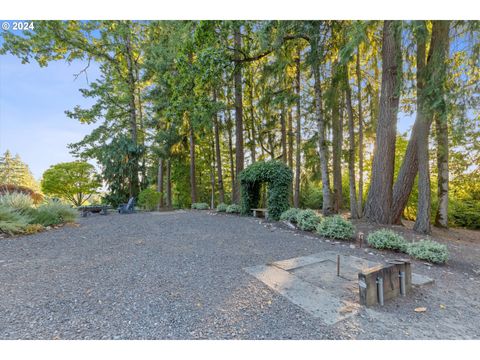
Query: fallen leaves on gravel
x,y
420,309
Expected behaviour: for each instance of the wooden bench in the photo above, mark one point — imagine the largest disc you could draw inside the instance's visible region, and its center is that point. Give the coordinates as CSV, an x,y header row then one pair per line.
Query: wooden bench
x,y
258,212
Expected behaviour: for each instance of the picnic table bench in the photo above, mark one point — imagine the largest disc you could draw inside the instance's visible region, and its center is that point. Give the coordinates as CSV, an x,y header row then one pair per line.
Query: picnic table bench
x,y
90,209
258,212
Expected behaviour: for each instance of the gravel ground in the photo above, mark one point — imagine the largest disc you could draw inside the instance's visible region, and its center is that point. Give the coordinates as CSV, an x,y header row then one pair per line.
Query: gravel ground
x,y
179,275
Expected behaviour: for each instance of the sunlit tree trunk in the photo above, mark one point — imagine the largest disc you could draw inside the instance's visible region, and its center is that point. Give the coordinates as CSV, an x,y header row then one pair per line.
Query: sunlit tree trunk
x,y
360,136
298,135
169,184
337,138
160,182
193,183
379,200
218,156
239,154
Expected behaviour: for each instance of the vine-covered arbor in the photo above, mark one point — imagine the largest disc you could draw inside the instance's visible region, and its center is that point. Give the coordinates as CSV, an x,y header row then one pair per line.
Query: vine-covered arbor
x,y
278,178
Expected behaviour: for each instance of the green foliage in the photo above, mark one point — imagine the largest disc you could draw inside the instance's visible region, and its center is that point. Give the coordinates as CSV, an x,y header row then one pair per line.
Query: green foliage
x,y
148,199
222,207
13,171
278,177
52,213
12,222
308,220
119,161
200,206
387,239
16,201
428,250
311,197
336,227
74,181
234,209
465,214
290,215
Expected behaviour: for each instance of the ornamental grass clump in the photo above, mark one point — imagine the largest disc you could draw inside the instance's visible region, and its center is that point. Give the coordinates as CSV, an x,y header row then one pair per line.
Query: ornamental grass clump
x,y
222,207
307,220
290,215
200,206
53,213
233,209
387,239
336,227
428,250
16,201
12,222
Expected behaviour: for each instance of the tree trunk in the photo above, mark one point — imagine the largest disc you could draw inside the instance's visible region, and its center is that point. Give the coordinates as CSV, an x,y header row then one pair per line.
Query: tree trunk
x,y
230,151
298,139
253,145
160,182
409,168
218,156
169,184
379,200
360,136
337,127
322,145
422,221
212,175
351,149
239,155
283,126
193,185
440,37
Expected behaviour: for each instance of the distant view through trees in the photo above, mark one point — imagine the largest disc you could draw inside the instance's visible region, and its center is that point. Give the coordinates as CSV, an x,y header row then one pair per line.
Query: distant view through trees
x,y
182,107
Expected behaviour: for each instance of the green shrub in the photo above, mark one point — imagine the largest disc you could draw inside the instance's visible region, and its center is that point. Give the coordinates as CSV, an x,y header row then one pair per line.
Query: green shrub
x,y
428,250
307,220
53,213
233,209
16,201
11,221
290,215
222,207
387,239
148,199
465,214
200,206
336,227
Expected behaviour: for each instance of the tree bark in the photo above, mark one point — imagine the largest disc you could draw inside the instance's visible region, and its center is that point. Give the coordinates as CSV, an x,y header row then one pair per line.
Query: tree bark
x,y
337,138
193,185
360,136
351,149
379,200
422,221
218,156
239,154
160,182
322,145
169,184
283,126
298,138
230,151
253,145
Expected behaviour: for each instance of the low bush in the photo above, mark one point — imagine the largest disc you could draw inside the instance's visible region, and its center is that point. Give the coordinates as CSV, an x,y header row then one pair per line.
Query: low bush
x,y
307,220
290,215
222,207
387,239
465,214
148,199
336,227
16,201
428,250
52,213
200,206
233,209
12,222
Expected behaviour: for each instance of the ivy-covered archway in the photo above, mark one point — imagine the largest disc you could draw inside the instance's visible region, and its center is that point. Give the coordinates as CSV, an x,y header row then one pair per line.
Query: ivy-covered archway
x,y
278,178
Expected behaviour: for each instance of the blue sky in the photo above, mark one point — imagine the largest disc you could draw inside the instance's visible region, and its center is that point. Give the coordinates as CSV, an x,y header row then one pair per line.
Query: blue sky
x,y
32,104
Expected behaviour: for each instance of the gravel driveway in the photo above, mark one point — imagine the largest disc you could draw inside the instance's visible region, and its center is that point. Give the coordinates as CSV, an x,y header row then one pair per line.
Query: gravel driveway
x,y
179,275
